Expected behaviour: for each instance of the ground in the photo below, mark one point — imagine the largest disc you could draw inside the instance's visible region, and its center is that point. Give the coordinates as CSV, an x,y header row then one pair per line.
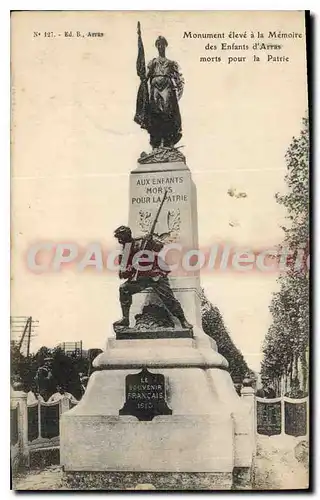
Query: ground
x,y
280,463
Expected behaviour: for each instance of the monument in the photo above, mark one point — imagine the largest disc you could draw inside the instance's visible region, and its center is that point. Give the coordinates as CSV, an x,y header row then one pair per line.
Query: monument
x,y
161,407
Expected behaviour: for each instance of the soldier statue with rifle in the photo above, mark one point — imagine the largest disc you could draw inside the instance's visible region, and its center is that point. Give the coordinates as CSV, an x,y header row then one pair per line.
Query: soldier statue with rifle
x,y
138,280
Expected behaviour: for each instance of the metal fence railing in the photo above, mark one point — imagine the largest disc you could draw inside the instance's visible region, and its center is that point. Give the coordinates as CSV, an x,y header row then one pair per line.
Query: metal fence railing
x,y
43,422
282,415
35,426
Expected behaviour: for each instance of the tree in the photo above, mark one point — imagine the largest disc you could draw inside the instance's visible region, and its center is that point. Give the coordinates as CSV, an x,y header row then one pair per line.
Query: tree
x,y
65,369
213,325
286,342
65,372
23,369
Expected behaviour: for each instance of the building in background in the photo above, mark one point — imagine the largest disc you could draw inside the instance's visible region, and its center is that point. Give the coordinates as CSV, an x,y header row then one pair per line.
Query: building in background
x,y
72,348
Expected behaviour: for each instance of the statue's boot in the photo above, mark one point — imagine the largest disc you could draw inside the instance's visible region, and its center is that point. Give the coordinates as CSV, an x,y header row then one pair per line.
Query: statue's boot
x,y
124,321
184,323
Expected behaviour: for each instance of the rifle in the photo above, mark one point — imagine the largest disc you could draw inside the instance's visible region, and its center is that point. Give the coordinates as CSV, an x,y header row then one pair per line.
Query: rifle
x,y
151,232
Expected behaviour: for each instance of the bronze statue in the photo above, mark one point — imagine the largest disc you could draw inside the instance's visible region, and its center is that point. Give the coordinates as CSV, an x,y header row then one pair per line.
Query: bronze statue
x,y
156,278
157,106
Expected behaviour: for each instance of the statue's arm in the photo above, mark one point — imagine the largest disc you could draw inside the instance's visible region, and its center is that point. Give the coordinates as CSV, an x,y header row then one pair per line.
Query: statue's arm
x,y
178,80
124,272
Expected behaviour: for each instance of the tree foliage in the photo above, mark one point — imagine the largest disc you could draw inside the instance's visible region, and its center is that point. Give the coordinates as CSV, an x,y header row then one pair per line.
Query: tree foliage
x,y
213,325
286,342
65,368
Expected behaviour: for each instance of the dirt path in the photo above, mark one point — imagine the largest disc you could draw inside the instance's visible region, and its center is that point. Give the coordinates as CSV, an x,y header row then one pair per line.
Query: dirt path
x,y
50,478
276,466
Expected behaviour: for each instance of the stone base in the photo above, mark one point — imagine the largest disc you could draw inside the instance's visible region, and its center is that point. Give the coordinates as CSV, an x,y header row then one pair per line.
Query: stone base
x,y
177,481
160,353
242,478
207,434
169,333
197,437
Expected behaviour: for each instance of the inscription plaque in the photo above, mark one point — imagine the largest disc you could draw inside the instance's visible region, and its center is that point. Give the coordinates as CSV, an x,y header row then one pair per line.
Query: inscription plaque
x,y
145,396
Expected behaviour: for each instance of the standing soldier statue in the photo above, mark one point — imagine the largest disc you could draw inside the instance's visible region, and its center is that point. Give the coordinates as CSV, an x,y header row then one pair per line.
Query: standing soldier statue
x,y
138,280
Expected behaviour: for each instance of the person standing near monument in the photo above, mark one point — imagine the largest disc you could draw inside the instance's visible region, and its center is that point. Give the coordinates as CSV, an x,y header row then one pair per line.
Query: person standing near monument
x,y
44,379
59,394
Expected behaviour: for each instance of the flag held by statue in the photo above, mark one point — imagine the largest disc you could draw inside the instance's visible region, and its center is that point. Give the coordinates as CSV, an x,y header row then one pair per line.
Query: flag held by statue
x,y
142,106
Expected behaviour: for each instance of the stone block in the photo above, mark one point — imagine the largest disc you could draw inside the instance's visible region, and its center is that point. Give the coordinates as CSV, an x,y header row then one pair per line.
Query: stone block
x,y
197,437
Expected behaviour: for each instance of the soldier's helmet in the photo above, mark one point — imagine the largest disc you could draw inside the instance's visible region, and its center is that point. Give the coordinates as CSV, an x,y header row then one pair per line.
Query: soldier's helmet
x,y
122,231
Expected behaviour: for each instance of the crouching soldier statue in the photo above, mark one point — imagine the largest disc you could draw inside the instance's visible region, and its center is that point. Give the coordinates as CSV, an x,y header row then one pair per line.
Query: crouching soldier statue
x,y
138,279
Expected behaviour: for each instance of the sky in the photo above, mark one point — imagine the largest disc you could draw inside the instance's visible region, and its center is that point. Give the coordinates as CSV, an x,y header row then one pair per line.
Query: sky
x,y
74,144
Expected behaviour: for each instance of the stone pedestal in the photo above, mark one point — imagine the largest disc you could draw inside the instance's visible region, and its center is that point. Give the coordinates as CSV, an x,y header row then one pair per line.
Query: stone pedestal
x,y
200,434
178,225
207,433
